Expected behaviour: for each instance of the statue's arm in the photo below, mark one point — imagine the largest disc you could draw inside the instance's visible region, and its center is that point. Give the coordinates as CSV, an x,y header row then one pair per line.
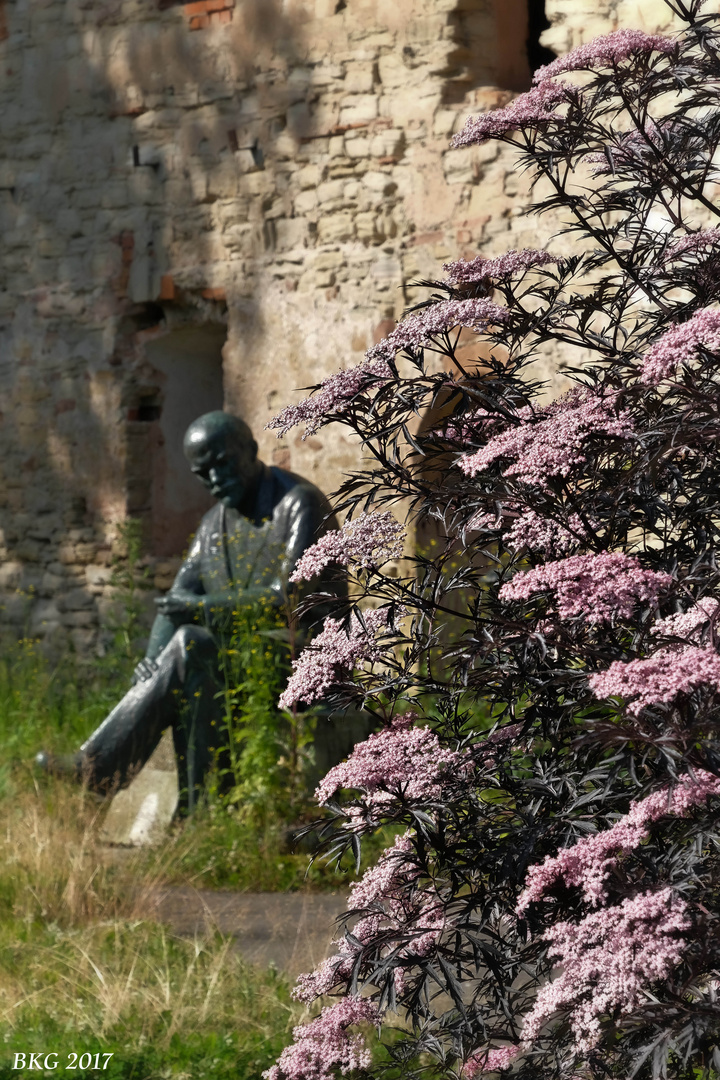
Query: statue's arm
x,y
180,605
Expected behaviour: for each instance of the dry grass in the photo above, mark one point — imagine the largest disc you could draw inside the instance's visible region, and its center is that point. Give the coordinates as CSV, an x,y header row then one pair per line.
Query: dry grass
x,y
80,959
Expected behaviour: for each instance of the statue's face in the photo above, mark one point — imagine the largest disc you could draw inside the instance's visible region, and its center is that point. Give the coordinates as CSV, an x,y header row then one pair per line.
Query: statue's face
x,y
226,466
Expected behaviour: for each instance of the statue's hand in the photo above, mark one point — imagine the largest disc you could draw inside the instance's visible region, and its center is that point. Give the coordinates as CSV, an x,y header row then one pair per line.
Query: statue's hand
x,y
179,602
144,670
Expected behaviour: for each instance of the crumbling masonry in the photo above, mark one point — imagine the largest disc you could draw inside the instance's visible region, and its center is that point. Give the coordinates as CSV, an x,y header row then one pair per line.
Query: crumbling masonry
x,y
212,203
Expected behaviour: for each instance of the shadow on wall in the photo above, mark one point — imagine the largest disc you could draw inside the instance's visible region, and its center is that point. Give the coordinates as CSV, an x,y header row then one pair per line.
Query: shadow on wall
x,y
124,138
189,362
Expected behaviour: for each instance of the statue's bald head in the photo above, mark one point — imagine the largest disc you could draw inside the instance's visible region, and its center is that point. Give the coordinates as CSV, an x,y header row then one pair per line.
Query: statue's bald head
x,y
218,426
222,453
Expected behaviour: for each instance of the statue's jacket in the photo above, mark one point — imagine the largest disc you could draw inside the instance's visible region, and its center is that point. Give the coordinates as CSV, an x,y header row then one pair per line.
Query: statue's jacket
x,y
232,554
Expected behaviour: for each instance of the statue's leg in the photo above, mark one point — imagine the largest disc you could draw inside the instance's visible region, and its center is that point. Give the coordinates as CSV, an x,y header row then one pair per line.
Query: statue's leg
x,y
199,733
180,694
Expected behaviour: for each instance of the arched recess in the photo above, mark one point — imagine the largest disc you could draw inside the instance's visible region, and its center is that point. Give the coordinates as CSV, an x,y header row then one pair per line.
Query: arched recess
x,y
538,54
495,43
188,362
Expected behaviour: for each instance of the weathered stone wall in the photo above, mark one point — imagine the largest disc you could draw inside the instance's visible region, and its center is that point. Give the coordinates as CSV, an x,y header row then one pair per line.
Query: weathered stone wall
x,y
267,176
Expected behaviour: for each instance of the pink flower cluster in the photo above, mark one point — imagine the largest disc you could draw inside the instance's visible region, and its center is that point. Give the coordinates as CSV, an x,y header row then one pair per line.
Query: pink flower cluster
x,y
333,397
532,109
554,442
704,240
607,961
588,863
332,655
688,624
490,1060
659,678
324,1045
387,878
417,329
400,758
367,541
598,587
606,50
680,344
531,530
390,890
503,266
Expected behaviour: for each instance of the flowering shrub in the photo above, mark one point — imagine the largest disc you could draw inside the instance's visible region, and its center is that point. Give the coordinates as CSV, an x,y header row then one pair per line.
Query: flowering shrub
x,y
550,906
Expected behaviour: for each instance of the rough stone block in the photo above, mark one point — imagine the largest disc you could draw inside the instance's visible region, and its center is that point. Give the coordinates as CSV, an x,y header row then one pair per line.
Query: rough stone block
x,y
29,550
290,233
336,228
98,577
79,618
459,166
11,575
388,143
380,182
392,71
358,147
76,600
82,639
45,616
359,78
308,177
50,584
358,108
330,191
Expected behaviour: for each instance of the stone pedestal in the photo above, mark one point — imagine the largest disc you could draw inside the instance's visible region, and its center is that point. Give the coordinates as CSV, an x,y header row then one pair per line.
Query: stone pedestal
x,y
140,814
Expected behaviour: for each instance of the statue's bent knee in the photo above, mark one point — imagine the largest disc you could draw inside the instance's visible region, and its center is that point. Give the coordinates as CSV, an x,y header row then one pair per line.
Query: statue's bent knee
x,y
191,648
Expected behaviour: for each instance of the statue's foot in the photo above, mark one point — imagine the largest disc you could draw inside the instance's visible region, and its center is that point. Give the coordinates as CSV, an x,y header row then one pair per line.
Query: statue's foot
x,y
71,766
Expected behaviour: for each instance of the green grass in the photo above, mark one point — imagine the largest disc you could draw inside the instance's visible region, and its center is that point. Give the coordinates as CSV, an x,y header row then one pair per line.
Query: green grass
x,y
82,967
160,1005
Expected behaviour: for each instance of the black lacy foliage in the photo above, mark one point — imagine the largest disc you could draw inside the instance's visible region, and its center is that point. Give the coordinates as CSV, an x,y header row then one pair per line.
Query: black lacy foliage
x,y
506,682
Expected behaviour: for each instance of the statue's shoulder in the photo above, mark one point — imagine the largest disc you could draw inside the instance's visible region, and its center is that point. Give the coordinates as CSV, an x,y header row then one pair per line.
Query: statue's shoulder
x,y
296,491
210,523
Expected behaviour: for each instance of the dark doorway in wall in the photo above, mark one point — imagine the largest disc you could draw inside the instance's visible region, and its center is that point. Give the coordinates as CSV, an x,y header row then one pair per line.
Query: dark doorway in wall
x,y
537,54
188,362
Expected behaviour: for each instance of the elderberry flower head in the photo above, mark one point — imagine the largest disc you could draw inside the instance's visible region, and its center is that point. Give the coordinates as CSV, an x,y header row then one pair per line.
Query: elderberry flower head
x,y
331,656
324,1045
395,908
608,50
688,624
533,109
333,398
490,1059
658,679
422,326
503,266
695,243
599,587
680,344
401,759
588,863
365,541
607,961
532,530
551,440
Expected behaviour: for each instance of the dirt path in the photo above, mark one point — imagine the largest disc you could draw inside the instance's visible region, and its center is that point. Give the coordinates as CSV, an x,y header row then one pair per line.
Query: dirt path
x,y
292,931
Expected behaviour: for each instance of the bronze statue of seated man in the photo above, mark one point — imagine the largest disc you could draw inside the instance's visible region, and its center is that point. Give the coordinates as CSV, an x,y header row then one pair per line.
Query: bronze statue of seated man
x,y
243,553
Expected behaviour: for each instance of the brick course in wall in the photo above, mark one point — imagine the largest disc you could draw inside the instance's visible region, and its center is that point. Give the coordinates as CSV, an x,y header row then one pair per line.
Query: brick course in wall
x,y
282,170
